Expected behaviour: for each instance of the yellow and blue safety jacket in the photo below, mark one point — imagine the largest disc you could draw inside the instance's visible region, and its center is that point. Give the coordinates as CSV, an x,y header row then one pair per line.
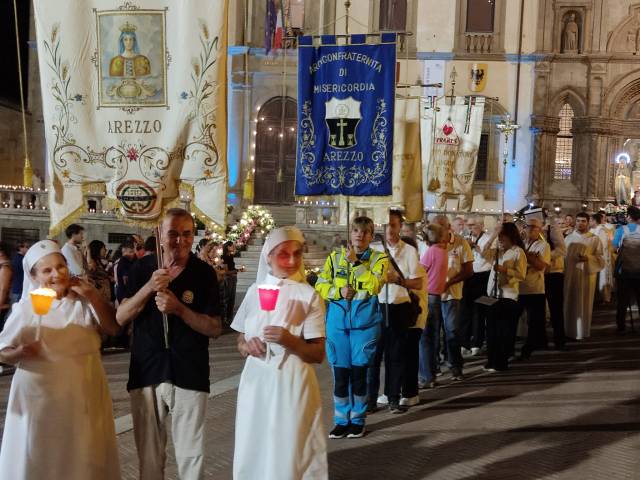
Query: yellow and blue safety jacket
x,y
366,277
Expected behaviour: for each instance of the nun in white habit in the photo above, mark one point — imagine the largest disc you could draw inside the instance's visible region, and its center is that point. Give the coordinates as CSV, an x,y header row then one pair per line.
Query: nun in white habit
x,y
59,421
279,429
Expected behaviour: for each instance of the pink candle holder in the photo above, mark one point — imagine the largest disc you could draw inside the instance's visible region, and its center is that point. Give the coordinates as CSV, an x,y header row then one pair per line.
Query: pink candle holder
x,y
268,295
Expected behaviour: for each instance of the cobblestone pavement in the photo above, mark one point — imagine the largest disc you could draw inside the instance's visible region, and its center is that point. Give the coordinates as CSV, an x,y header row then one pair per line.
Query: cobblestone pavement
x,y
560,415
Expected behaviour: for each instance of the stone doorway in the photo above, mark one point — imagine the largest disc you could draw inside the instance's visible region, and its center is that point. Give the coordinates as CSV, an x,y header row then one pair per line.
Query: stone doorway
x,y
276,151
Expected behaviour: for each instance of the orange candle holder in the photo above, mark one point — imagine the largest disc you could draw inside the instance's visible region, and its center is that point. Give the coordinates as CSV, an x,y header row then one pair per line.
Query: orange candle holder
x,y
41,300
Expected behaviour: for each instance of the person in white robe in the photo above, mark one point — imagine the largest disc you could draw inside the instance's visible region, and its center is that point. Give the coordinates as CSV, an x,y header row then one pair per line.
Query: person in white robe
x,y
584,260
605,276
59,422
279,430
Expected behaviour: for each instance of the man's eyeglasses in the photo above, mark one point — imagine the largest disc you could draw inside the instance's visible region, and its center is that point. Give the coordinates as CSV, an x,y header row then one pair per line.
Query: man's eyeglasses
x,y
173,236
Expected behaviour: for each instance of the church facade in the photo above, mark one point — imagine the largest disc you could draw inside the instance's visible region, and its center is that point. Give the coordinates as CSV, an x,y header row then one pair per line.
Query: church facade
x,y
568,72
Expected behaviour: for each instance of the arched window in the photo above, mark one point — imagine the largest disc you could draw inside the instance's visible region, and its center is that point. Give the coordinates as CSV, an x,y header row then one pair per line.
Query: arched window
x,y
564,145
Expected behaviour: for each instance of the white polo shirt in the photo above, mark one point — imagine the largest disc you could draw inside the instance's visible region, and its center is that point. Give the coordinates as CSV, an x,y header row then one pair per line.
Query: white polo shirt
x,y
534,281
407,259
480,262
459,252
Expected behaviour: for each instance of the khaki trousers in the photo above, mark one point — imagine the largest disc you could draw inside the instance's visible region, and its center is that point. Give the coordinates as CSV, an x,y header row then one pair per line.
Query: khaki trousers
x,y
150,407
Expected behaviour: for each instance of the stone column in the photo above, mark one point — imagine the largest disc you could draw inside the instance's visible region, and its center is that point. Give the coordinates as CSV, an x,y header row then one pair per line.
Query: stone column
x,y
544,130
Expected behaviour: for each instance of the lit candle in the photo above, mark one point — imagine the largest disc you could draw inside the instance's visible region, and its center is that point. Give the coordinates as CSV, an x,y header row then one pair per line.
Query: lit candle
x,y
41,300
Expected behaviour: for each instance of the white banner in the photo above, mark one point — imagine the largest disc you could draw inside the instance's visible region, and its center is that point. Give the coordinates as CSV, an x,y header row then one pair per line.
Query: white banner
x,y
450,139
134,98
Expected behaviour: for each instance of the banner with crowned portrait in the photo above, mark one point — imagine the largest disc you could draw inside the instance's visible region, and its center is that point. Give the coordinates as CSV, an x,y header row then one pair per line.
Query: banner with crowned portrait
x,y
345,116
450,133
134,99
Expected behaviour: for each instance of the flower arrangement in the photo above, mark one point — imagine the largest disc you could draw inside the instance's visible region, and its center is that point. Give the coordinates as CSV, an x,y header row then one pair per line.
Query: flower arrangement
x,y
254,219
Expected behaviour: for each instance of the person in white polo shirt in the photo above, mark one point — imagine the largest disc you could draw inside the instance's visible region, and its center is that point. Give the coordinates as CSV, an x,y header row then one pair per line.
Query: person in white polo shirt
x,y
532,299
473,316
403,275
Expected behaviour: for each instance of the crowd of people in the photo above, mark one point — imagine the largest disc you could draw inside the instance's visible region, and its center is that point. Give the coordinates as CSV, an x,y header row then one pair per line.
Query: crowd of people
x,y
419,300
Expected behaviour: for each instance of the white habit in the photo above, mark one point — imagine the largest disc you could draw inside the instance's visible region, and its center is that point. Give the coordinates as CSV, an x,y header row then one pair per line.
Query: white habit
x,y
59,422
279,429
580,282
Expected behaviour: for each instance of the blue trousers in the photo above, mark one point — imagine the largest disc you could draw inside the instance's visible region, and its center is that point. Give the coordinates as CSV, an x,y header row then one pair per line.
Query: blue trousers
x,y
350,352
430,341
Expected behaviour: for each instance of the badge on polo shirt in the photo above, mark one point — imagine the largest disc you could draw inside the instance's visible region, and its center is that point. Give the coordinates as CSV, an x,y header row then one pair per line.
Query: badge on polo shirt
x,y
187,296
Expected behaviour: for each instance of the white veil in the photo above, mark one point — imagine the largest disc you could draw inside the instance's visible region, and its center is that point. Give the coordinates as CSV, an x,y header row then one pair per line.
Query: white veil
x,y
275,238
36,252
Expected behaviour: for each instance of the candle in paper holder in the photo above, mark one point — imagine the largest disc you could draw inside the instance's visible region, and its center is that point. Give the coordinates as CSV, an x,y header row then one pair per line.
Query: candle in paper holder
x,y
268,295
41,300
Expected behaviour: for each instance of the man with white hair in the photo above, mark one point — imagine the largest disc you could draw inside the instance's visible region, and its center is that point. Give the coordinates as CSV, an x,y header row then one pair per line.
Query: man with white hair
x,y
473,317
532,298
460,260
457,226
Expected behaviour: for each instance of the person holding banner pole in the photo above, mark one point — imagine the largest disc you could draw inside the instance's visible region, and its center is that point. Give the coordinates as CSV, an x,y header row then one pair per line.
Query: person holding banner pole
x,y
351,281
403,275
176,379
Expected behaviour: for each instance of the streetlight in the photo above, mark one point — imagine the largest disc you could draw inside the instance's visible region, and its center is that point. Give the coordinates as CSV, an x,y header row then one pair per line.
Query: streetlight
x,y
507,128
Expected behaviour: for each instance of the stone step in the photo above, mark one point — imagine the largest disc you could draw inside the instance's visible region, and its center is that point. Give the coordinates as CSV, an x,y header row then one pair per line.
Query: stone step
x,y
283,214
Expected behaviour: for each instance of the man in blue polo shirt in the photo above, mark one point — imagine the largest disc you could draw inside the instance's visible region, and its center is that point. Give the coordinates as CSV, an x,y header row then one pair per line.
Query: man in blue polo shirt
x,y
175,379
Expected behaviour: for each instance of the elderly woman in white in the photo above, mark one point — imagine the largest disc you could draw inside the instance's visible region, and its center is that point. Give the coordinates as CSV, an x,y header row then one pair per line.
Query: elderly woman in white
x,y
279,430
59,421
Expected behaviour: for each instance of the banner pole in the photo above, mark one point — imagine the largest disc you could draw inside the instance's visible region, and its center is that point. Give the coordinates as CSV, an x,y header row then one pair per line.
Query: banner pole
x,y
165,317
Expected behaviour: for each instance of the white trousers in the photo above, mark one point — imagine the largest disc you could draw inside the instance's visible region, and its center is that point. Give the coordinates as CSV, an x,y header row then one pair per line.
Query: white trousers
x,y
150,407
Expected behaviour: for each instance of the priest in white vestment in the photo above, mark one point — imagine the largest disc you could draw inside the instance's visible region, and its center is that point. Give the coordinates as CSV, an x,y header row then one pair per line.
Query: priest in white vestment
x,y
584,260
605,276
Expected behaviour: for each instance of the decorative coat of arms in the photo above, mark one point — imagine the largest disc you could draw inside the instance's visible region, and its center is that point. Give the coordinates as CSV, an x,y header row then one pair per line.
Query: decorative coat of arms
x,y
342,117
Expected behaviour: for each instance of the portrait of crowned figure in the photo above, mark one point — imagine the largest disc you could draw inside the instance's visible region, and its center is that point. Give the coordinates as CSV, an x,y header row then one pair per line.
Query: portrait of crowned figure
x,y
129,63
132,59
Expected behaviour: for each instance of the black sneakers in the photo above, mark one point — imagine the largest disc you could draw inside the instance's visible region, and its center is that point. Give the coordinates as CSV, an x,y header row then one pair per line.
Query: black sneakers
x,y
356,431
350,431
339,431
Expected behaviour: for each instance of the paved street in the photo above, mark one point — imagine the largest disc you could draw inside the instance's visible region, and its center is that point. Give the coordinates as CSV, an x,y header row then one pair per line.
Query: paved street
x,y
570,415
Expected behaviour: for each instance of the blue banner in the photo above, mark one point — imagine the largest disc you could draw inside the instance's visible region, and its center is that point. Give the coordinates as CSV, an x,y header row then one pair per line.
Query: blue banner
x,y
345,116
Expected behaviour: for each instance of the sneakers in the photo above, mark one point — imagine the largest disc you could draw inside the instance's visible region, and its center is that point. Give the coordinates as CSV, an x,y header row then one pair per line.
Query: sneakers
x,y
475,351
433,384
422,385
350,431
456,374
466,352
356,431
339,431
438,372
395,407
382,400
489,369
409,401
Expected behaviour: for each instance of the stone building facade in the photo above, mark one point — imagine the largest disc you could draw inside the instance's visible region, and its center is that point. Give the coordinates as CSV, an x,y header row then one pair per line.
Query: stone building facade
x,y
598,84
568,71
